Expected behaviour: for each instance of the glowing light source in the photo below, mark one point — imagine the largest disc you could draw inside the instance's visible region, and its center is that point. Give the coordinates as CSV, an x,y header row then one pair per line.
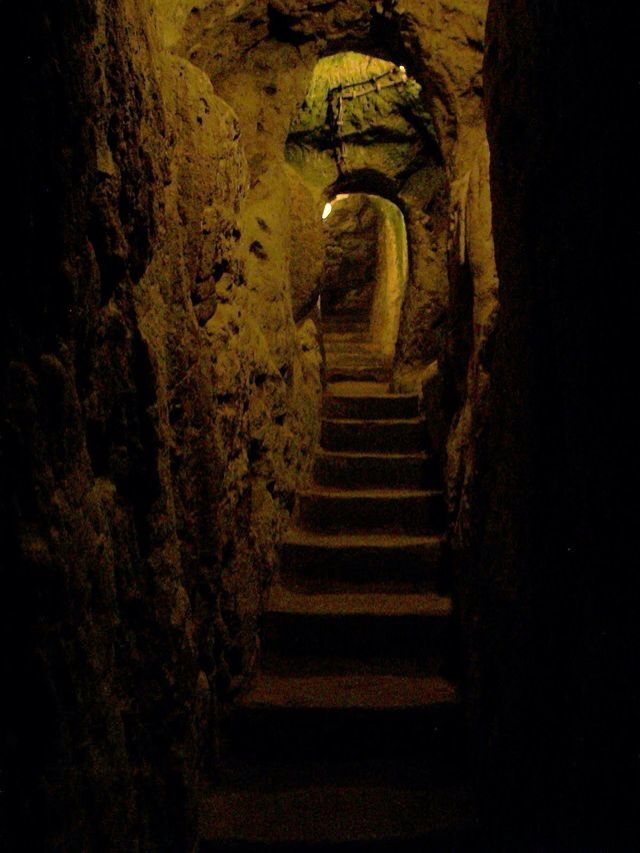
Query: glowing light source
x,y
326,213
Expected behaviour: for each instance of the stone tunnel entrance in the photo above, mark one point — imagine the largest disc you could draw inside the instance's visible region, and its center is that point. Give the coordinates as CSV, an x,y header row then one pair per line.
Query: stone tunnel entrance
x,y
363,283
363,147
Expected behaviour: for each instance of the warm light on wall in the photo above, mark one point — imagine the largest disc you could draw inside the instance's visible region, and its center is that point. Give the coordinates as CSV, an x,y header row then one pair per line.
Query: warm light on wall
x,y
326,213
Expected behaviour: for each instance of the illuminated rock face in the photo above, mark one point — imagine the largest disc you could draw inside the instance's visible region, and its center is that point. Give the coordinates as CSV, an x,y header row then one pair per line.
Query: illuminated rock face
x,y
365,126
159,414
262,61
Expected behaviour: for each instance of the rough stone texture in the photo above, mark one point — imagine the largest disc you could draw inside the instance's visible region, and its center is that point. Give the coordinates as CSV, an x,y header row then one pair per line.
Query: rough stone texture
x,y
264,81
390,149
158,413
307,249
551,615
387,131
261,59
445,43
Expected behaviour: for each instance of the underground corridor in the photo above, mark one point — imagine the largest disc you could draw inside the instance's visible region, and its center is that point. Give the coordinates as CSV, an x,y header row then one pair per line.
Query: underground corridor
x,y
363,284
314,428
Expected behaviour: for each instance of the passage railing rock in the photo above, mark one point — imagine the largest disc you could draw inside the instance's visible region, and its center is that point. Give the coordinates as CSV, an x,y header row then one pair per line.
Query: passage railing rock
x,y
337,97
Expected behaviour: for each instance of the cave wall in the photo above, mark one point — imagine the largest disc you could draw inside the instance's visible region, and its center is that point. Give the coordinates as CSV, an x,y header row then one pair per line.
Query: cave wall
x,y
392,277
262,76
550,616
261,59
159,409
445,42
391,149
159,399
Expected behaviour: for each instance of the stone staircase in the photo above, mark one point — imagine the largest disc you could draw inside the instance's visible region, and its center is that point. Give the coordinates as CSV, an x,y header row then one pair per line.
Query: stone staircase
x,y
351,354
352,732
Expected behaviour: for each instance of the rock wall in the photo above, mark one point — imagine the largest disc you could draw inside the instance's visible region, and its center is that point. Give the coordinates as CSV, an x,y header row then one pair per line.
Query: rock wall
x,y
445,44
552,622
392,277
262,78
261,59
159,409
390,150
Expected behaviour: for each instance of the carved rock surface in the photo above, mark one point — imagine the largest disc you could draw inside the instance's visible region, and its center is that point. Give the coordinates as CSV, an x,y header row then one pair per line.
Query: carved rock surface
x,y
262,60
158,414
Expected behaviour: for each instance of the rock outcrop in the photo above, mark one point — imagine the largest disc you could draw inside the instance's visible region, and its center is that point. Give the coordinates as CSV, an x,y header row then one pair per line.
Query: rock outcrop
x,y
159,413
261,59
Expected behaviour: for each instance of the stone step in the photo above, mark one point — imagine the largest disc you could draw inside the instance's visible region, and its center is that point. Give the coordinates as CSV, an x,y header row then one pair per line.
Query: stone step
x,y
357,331
321,560
347,323
350,367
346,717
357,352
344,343
347,365
342,406
396,510
333,337
405,435
350,363
344,312
376,470
356,389
363,631
358,373
267,817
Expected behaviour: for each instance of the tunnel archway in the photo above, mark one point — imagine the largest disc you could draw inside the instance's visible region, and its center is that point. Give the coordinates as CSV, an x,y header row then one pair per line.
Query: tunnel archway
x,y
365,273
365,127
